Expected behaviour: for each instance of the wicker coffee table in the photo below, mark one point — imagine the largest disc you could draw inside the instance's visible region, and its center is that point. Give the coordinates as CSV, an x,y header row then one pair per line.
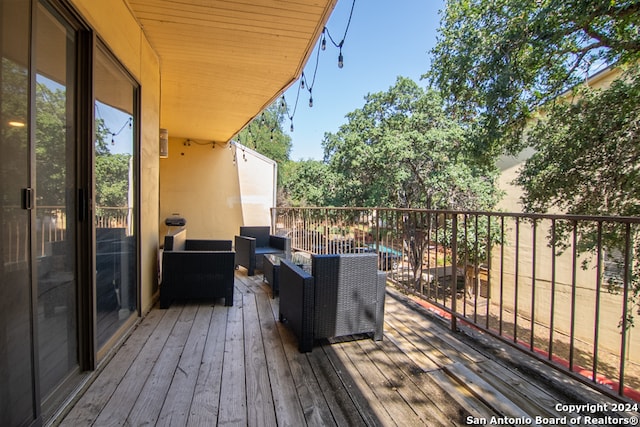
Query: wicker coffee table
x,y
271,268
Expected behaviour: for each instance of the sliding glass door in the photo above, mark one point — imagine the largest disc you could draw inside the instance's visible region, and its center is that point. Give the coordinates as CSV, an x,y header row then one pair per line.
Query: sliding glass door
x,y
18,400
115,161
68,202
55,141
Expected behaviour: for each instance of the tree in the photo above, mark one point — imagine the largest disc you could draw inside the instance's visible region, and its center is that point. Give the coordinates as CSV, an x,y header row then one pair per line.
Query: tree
x,y
587,154
498,61
112,180
265,134
307,183
501,62
402,150
587,162
51,146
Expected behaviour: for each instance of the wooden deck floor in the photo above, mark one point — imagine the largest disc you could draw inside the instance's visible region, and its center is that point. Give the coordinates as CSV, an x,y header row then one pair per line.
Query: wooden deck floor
x,y
205,365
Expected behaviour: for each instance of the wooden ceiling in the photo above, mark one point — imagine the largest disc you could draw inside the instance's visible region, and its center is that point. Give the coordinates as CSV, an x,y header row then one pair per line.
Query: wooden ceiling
x,y
224,61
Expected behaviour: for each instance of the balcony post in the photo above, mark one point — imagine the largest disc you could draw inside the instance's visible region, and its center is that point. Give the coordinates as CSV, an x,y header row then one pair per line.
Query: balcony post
x,y
454,270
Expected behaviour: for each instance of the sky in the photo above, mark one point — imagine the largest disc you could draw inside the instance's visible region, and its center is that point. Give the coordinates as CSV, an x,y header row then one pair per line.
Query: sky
x,y
386,39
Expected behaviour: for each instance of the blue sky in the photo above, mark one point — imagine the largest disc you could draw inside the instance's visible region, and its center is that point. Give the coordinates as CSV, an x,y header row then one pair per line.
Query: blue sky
x,y
386,39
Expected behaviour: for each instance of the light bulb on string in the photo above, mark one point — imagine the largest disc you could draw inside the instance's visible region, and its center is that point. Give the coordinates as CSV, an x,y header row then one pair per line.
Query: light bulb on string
x,y
340,60
310,101
292,125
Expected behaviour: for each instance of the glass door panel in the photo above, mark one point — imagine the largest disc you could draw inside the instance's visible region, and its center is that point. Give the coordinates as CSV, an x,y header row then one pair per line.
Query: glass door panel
x,y
55,199
18,401
115,195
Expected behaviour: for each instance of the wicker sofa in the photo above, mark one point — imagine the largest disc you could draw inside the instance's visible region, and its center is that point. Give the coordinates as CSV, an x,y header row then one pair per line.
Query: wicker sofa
x,y
342,295
256,241
196,269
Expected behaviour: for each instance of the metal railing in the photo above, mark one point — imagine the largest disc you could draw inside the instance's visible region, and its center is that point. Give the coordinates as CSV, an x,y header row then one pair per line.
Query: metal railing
x,y
51,227
563,288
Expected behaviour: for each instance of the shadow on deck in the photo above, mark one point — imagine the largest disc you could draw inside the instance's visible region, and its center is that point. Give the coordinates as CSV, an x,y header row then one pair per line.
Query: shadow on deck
x,y
198,364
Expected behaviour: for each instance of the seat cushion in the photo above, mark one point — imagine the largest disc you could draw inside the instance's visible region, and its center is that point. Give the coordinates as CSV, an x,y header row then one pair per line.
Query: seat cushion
x,y
268,250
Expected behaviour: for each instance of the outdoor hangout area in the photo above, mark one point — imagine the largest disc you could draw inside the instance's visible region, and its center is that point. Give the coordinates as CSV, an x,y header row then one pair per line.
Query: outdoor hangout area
x,y
211,364
448,235
557,287
325,332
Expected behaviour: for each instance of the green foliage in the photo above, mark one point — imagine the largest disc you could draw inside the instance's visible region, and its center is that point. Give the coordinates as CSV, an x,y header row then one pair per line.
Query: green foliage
x,y
307,183
587,153
266,136
51,143
587,162
14,104
402,150
497,61
112,180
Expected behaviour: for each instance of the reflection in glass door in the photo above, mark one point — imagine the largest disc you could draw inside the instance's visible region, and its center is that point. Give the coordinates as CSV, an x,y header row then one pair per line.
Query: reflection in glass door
x,y
55,200
18,403
115,195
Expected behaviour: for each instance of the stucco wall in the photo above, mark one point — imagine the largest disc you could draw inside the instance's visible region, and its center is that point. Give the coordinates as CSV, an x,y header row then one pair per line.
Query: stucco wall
x,y
216,189
200,183
585,271
117,28
257,176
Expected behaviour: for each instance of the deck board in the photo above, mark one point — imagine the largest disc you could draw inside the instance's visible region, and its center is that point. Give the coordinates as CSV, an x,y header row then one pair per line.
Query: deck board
x,y
204,364
177,405
154,394
285,398
233,392
206,396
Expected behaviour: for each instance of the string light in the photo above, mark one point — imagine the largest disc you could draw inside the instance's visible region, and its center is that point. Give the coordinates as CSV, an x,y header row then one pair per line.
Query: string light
x,y
114,134
187,143
304,83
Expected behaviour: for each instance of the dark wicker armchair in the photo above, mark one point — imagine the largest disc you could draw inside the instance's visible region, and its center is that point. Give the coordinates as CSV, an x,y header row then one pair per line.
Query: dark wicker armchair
x,y
254,242
343,295
196,269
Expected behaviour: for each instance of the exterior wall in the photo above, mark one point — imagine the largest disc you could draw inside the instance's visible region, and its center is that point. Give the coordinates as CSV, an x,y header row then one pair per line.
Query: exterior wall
x,y
536,296
200,183
122,34
585,278
258,177
215,189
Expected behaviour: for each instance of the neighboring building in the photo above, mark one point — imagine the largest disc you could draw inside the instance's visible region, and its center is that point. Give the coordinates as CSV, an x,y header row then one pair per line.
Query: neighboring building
x,y
510,166
85,86
610,310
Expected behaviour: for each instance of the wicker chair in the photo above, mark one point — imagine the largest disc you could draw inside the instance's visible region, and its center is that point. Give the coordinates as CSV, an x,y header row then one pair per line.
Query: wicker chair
x,y
254,242
343,295
196,269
